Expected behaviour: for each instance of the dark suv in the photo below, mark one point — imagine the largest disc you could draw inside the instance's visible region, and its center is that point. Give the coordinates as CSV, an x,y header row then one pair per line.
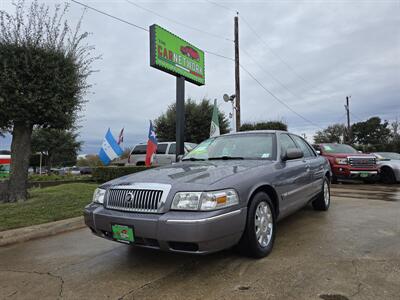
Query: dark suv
x,y
347,163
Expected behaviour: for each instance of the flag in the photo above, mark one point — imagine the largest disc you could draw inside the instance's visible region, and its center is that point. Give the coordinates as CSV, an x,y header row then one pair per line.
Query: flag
x,y
151,145
121,137
109,149
214,130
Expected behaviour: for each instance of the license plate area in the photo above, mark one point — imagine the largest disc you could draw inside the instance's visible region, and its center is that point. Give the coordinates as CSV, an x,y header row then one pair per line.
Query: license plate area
x,y
364,174
122,233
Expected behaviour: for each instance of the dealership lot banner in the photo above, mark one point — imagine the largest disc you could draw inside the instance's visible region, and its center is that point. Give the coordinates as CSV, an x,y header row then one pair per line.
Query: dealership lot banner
x,y
174,55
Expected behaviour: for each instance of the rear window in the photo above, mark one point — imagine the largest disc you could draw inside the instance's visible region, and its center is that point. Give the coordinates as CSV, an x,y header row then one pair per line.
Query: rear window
x,y
172,149
338,148
139,149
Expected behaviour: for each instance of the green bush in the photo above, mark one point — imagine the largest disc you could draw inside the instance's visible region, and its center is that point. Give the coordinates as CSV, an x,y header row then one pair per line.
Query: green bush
x,y
103,174
55,177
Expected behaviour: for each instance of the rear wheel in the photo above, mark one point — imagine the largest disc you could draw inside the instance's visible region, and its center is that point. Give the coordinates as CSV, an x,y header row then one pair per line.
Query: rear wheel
x,y
387,175
324,199
259,235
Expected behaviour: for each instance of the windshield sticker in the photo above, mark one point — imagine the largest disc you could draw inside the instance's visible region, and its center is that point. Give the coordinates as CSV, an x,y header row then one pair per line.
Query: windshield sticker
x,y
265,155
328,148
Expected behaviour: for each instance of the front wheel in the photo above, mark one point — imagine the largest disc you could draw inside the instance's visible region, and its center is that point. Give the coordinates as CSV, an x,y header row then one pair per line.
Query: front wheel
x,y
387,176
259,235
324,199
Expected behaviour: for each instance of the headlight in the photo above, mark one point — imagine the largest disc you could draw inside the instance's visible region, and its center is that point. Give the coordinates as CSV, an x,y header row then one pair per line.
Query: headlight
x,y
98,196
204,200
341,161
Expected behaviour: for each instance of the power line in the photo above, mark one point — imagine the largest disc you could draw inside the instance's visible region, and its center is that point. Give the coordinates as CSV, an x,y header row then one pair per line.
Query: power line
x,y
278,99
222,6
270,74
261,40
140,27
178,22
272,51
219,55
111,16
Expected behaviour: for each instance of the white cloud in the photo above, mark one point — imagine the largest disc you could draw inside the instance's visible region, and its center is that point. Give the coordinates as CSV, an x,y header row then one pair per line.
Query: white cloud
x,y
339,48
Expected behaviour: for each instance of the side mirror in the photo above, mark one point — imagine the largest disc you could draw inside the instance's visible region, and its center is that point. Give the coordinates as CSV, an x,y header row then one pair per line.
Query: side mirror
x,y
293,153
318,152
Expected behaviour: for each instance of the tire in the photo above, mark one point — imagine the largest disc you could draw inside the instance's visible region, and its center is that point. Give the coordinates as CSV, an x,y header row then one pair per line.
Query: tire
x,y
323,201
249,245
387,176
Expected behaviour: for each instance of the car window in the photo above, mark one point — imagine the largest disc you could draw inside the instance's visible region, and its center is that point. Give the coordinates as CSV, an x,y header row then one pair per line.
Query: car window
x,y
161,148
286,143
244,146
303,146
172,149
139,149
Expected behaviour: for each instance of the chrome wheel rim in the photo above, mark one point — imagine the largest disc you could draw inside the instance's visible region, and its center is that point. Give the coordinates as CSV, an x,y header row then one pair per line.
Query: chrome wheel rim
x,y
263,224
327,196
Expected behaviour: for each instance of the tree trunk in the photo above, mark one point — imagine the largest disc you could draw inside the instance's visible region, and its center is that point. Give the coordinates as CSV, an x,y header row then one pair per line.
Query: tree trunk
x,y
20,153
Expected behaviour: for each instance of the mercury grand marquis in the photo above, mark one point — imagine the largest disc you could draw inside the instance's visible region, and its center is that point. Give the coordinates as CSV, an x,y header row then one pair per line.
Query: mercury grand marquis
x,y
230,190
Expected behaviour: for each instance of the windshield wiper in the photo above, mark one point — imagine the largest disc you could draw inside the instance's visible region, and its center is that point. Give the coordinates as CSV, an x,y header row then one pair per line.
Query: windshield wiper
x,y
225,157
193,159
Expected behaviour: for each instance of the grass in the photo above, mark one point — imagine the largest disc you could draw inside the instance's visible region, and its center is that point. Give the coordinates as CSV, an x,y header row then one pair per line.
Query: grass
x,y
47,205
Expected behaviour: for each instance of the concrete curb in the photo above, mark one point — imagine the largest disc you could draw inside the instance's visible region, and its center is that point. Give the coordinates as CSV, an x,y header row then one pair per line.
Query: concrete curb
x,y
37,231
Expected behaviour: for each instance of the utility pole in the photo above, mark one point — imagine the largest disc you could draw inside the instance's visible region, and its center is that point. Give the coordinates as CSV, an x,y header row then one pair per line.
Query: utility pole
x,y
347,107
237,69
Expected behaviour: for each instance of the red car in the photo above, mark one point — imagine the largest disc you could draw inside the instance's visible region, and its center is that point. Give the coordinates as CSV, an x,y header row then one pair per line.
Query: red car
x,y
347,163
190,52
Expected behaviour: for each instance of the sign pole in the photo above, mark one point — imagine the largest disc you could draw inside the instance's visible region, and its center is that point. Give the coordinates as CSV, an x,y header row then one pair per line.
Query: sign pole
x,y
180,116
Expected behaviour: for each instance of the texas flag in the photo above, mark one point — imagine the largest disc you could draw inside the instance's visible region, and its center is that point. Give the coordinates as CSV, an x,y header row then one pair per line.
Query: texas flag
x,y
151,145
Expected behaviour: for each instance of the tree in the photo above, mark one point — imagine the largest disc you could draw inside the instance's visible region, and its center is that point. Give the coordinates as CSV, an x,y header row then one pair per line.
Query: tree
x,y
371,132
268,125
197,122
335,133
60,146
91,160
44,68
396,130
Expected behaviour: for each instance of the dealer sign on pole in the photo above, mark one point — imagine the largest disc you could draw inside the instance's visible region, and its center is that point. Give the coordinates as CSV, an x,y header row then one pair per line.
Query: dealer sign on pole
x,y
174,55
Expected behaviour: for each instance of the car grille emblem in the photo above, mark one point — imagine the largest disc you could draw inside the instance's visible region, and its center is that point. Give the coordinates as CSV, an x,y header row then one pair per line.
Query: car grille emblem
x,y
129,197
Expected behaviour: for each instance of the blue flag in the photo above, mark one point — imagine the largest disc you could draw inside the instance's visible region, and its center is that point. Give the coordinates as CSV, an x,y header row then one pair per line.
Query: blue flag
x,y
109,149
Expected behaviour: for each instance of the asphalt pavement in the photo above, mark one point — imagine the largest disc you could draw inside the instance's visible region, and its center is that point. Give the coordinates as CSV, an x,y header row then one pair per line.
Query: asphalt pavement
x,y
350,252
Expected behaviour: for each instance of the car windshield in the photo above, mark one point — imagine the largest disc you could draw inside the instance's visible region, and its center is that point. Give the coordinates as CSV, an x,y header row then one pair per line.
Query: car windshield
x,y
338,148
238,146
389,155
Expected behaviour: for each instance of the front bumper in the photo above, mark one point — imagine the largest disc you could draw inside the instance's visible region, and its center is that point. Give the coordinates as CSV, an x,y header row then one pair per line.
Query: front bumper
x,y
347,172
178,231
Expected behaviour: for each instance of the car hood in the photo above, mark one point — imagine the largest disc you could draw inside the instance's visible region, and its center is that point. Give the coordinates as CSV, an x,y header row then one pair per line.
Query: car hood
x,y
395,163
193,173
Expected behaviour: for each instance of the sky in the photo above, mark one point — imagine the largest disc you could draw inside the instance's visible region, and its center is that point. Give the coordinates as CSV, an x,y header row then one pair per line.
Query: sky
x,y
308,54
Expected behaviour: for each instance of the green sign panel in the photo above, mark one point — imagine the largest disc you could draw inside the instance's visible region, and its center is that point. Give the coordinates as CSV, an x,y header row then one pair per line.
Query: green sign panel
x,y
174,55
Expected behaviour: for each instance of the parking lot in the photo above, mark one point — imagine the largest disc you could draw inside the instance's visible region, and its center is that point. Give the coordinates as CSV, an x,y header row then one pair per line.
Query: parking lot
x,y
350,252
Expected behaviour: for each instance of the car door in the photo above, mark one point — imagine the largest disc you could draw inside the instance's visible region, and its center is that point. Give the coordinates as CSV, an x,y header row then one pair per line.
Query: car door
x,y
293,178
314,164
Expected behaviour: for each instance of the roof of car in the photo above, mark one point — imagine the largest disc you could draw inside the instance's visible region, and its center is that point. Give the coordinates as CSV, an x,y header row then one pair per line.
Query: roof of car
x,y
256,131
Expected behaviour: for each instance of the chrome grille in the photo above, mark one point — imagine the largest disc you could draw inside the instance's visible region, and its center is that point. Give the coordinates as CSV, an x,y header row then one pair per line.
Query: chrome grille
x,y
135,200
362,162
